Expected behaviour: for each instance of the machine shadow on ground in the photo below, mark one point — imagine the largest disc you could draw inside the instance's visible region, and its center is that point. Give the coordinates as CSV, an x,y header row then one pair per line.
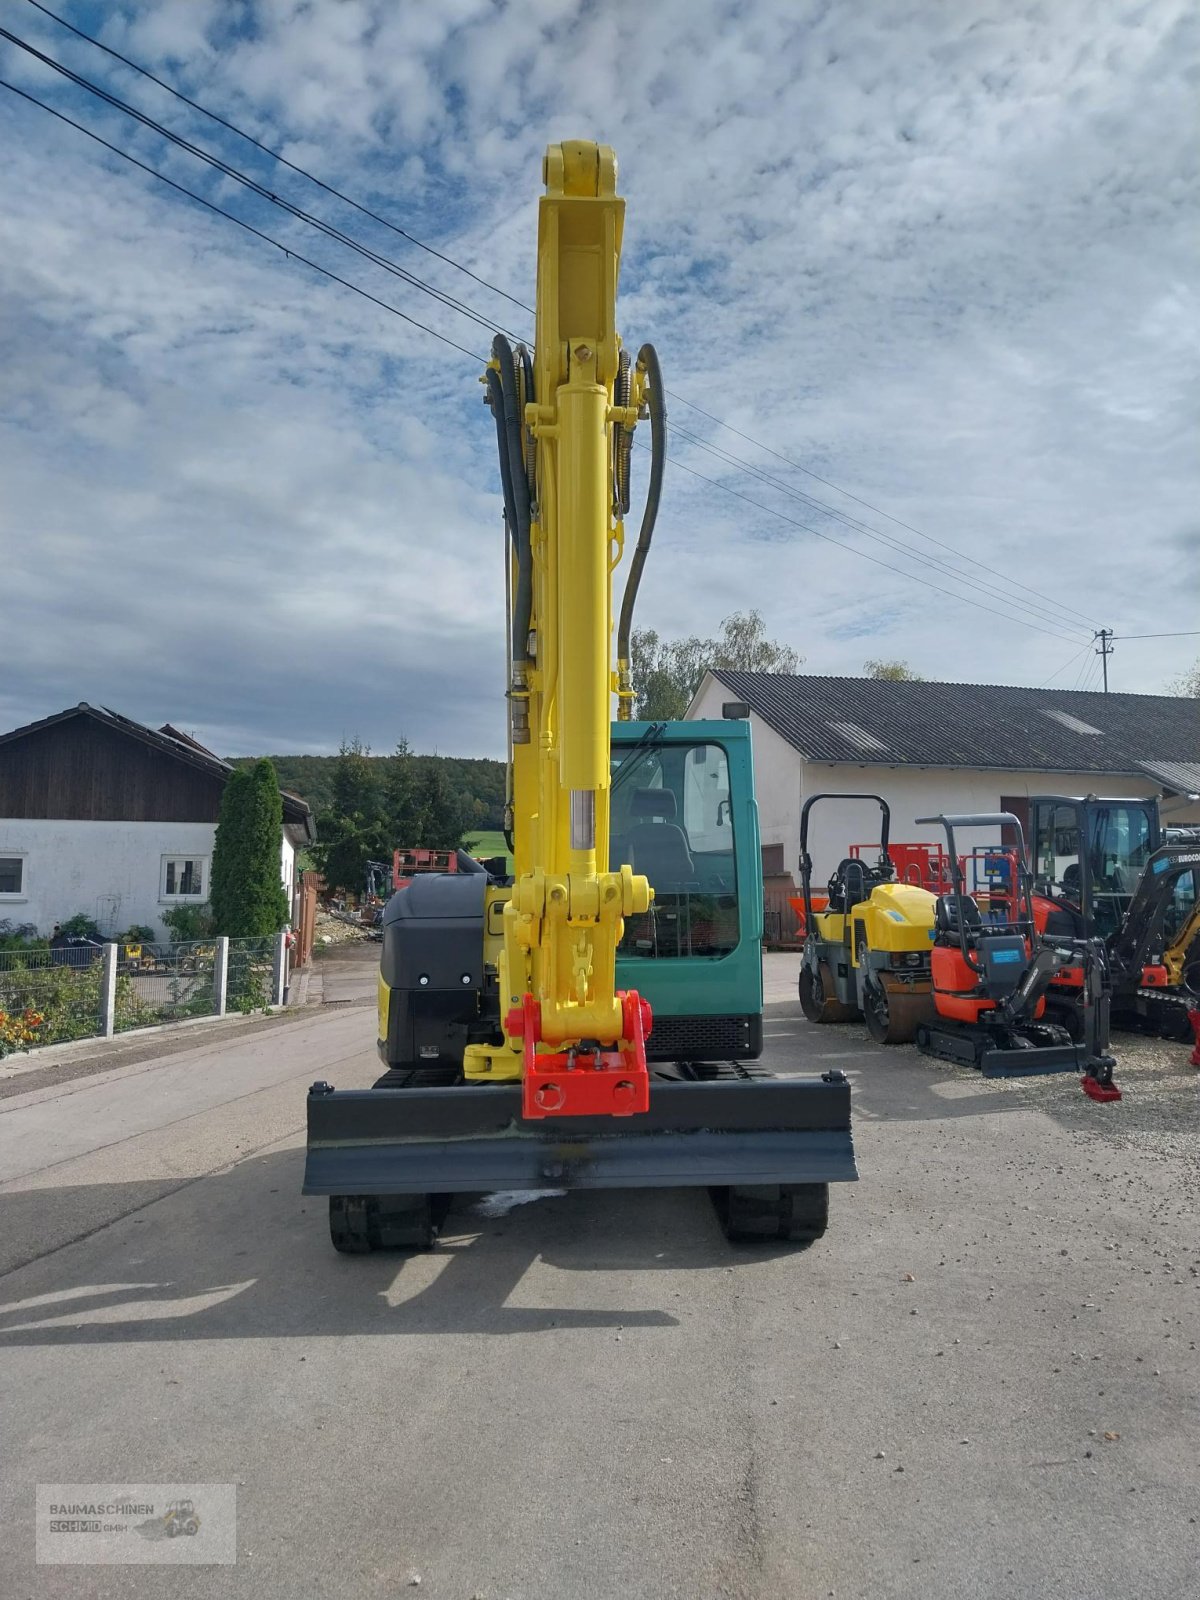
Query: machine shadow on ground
x,y
241,1255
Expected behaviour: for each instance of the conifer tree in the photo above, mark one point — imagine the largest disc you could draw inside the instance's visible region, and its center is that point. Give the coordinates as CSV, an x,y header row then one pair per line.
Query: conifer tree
x,y
247,894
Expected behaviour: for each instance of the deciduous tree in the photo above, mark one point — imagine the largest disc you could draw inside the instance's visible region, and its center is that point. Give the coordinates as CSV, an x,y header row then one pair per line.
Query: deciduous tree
x,y
891,672
667,673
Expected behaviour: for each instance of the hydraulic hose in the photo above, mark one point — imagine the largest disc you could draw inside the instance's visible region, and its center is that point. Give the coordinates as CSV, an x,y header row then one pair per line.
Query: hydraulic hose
x,y
496,401
647,361
527,432
512,460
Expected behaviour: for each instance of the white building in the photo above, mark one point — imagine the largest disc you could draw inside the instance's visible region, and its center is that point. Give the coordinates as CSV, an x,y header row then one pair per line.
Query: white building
x,y
945,747
103,816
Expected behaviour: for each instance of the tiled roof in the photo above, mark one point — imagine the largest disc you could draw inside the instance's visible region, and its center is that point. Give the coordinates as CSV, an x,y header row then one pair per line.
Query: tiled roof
x,y
869,721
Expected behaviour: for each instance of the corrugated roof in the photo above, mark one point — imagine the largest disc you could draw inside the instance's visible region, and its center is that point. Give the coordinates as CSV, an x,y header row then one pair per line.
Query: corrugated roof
x,y
976,725
1182,776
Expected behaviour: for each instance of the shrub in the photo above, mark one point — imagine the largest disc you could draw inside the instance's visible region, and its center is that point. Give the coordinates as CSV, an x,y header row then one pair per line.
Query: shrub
x,y
66,998
81,926
18,1030
187,923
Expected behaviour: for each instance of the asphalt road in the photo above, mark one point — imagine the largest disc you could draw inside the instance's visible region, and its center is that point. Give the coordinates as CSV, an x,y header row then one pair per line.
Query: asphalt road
x,y
595,1395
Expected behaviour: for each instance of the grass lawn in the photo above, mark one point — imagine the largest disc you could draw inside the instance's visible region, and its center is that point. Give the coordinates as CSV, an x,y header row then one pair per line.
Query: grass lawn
x,y
487,844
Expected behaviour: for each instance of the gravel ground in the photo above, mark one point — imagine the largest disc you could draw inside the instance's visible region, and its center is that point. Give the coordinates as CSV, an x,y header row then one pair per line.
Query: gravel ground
x,y
1157,1116
333,931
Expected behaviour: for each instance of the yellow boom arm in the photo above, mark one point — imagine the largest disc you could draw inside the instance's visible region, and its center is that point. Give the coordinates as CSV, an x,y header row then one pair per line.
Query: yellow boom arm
x,y
564,915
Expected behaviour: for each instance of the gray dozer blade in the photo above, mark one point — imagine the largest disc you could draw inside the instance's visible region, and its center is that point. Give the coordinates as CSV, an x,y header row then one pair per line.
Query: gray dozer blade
x,y
473,1139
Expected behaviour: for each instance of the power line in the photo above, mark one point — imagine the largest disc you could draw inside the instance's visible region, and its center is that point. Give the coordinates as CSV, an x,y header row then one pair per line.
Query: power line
x,y
1064,668
1084,674
275,156
1189,633
1006,578
257,232
222,166
1042,613
876,509
863,554
474,356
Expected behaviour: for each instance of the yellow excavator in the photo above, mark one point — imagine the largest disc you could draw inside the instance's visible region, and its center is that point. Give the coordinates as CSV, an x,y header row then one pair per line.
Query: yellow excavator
x,y
591,1021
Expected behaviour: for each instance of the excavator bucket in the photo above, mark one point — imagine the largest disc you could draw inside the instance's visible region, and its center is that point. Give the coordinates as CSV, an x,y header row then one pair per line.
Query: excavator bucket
x,y
738,1128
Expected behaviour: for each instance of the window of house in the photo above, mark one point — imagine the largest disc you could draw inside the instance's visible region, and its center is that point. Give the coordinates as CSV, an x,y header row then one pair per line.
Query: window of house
x,y
183,877
12,875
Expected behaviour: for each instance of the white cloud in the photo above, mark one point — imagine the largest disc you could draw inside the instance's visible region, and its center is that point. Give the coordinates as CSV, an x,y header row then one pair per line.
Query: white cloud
x,y
939,257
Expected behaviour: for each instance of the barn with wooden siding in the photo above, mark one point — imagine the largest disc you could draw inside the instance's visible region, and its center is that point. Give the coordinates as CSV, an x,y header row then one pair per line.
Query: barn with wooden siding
x,y
104,816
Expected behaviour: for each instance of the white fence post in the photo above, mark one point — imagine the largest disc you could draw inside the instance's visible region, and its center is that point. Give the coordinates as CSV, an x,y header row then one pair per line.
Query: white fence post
x,y
108,992
279,970
221,976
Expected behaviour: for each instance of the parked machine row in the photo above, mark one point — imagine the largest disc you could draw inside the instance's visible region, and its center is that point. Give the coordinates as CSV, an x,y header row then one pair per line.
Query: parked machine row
x,y
1027,974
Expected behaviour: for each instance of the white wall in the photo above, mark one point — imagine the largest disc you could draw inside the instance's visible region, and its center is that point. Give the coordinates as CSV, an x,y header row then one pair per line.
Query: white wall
x,y
110,871
784,781
777,770
287,871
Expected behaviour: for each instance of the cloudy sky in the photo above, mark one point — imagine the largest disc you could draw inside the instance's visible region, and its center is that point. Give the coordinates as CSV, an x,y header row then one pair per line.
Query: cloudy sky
x,y
941,256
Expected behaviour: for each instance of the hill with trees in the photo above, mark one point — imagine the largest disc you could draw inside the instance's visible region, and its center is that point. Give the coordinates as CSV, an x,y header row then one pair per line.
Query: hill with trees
x,y
367,805
477,784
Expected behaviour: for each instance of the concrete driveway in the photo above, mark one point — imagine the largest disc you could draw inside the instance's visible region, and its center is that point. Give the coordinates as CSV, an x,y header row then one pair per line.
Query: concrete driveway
x,y
595,1395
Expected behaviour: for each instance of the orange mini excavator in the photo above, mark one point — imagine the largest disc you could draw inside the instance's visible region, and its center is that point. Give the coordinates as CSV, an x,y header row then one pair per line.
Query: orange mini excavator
x,y
991,976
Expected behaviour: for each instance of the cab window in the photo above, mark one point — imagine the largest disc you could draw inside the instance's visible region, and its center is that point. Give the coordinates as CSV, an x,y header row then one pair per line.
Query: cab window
x,y
1118,846
672,820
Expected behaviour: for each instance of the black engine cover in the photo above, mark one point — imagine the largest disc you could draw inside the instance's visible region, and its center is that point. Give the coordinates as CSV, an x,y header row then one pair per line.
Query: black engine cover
x,y
432,962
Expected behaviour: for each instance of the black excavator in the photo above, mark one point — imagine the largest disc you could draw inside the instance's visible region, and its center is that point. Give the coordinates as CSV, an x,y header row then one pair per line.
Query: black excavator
x,y
1106,869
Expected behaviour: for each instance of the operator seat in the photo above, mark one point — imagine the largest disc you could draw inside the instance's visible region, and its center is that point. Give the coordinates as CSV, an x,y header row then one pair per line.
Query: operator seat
x,y
946,912
854,880
657,844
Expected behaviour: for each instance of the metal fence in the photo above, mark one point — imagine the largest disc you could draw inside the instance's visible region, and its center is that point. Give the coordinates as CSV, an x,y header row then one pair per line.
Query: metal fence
x,y
89,991
63,988
165,983
250,975
781,925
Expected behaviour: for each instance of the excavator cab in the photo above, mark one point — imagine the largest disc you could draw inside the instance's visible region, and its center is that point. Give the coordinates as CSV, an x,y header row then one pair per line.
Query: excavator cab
x,y
683,813
1106,869
1089,856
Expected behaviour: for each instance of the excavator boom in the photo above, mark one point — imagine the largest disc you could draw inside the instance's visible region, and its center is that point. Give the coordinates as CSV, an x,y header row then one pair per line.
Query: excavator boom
x,y
577,1044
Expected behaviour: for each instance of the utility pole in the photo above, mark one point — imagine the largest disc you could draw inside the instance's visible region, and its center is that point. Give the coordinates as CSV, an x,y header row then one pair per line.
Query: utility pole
x,y
1106,649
